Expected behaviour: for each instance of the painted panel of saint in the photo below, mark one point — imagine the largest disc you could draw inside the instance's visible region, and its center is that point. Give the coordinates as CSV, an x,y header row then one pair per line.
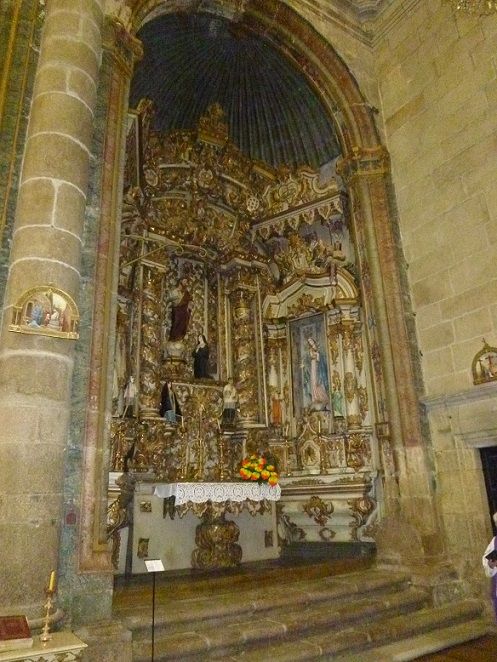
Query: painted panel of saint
x,y
311,388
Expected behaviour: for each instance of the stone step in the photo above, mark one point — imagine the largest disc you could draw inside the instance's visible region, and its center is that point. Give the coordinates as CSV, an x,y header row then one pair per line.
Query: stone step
x,y
242,604
291,623
371,641
193,583
373,613
427,643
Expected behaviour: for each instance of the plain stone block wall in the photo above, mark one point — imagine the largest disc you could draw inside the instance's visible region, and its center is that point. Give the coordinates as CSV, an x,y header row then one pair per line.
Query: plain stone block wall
x,y
437,79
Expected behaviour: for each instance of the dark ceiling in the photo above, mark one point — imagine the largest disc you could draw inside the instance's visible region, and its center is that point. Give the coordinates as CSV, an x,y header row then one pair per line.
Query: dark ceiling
x,y
193,60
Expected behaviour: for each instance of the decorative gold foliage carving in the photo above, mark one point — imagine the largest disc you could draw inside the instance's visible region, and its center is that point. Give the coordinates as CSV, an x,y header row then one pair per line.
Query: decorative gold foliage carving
x,y
318,510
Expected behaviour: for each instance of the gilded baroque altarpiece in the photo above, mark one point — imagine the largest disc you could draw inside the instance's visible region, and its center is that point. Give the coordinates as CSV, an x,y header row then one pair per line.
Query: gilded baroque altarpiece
x,y
232,270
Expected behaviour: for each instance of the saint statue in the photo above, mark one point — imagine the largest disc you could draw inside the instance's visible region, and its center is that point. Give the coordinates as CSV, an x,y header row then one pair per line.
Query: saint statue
x,y
201,358
180,298
169,405
316,377
230,403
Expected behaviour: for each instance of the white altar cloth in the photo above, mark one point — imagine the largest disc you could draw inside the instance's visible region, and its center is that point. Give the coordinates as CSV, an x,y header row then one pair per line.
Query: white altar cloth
x,y
217,492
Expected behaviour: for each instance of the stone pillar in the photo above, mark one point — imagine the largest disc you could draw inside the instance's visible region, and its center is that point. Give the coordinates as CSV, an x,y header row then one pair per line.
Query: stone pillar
x,y
85,547
410,508
36,371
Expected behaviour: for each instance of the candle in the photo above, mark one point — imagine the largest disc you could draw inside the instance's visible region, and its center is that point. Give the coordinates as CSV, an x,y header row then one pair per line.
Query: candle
x,y
51,583
319,426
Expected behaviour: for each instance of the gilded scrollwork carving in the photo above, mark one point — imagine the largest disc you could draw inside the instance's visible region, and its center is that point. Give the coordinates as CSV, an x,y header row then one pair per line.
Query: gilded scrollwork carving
x,y
289,532
350,386
361,510
305,304
358,451
318,510
358,349
362,394
333,344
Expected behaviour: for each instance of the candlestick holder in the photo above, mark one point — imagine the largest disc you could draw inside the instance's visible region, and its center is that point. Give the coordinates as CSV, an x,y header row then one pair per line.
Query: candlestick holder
x,y
45,633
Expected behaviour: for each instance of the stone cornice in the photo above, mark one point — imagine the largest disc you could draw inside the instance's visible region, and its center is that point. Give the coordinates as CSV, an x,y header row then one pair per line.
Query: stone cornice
x,y
450,400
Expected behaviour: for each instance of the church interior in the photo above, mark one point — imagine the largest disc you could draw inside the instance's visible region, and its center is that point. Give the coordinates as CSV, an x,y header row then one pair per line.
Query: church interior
x,y
249,328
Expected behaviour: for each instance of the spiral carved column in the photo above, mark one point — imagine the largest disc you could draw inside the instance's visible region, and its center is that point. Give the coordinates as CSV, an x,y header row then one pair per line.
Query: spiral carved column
x,y
244,352
150,352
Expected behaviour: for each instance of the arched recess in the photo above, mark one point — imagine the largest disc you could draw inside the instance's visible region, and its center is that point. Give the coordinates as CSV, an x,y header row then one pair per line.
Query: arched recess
x,y
365,168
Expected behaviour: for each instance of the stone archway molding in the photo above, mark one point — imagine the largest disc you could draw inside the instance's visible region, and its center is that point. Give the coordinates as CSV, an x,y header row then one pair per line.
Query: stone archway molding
x,y
365,166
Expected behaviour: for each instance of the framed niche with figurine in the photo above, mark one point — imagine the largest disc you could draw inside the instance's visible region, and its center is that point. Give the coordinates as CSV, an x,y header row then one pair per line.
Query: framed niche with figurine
x,y
484,366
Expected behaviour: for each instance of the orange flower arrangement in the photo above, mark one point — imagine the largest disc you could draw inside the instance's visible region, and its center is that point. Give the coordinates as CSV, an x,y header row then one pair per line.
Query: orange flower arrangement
x,y
258,468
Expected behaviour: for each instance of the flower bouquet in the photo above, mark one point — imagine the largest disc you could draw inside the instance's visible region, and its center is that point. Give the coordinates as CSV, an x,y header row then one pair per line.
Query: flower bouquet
x,y
258,469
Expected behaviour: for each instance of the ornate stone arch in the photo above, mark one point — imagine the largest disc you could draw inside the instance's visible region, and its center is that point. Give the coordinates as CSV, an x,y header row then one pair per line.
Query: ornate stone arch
x,y
366,170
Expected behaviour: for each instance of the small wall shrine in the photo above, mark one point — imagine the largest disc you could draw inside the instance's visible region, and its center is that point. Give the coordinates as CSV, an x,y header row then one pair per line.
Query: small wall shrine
x,y
240,328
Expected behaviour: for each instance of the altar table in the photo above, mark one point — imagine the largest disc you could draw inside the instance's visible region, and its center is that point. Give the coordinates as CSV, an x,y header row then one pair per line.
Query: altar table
x,y
215,537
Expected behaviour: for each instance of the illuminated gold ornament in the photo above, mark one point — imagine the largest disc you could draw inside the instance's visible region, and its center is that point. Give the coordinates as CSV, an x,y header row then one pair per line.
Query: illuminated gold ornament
x,y
478,7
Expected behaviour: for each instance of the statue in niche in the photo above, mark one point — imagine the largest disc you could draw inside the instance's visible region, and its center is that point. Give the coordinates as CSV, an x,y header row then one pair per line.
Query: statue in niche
x,y
201,358
484,366
180,298
317,378
129,397
230,404
169,404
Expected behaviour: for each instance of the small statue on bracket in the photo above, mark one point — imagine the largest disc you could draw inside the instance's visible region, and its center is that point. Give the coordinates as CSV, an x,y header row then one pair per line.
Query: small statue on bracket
x,y
129,397
170,408
230,404
201,358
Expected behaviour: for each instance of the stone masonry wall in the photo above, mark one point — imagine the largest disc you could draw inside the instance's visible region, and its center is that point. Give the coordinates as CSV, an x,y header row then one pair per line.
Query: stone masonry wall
x,y
438,87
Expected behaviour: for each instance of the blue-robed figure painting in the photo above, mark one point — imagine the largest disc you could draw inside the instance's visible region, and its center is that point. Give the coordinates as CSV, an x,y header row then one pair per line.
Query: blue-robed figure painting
x,y
310,365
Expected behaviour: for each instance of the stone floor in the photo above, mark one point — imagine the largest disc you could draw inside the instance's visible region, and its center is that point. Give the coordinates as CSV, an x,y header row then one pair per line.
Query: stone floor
x,y
483,649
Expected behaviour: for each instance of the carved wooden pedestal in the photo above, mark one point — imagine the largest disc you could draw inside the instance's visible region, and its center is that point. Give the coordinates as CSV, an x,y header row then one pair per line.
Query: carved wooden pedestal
x,y
216,540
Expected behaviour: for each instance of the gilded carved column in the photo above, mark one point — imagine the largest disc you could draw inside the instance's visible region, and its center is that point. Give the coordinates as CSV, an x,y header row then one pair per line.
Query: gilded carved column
x,y
276,361
242,300
336,371
150,346
349,375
